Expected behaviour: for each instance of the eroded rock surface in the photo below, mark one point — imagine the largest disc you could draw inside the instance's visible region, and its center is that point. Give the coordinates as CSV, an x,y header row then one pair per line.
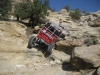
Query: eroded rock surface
x,y
12,37
86,57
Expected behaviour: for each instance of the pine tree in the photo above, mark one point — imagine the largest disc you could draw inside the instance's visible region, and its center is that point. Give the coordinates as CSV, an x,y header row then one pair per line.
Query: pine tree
x,y
5,7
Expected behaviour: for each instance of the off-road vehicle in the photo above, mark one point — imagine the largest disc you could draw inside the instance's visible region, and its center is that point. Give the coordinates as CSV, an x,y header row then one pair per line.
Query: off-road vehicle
x,y
48,34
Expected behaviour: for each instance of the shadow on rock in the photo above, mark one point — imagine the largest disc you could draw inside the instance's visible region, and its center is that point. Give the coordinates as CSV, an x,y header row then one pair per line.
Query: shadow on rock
x,y
68,67
65,49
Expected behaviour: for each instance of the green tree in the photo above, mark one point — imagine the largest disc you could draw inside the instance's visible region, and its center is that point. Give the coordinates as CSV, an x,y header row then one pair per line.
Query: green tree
x,y
22,10
67,8
5,7
75,14
33,10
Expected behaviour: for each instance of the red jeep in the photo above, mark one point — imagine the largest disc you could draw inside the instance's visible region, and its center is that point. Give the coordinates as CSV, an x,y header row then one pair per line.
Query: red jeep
x,y
48,35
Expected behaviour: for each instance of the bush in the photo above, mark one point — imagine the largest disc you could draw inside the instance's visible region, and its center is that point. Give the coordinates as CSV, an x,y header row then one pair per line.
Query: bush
x,y
75,14
5,7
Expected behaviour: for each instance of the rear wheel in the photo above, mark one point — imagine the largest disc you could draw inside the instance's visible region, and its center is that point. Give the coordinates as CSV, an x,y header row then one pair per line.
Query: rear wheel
x,y
31,42
50,48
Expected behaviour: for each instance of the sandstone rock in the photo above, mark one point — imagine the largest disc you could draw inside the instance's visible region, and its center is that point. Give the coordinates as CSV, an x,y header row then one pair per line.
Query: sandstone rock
x,y
85,23
36,29
12,37
84,18
88,72
67,45
64,19
91,17
52,63
91,73
98,71
95,23
76,34
64,12
92,32
91,41
49,11
80,23
61,56
86,57
66,26
73,73
97,13
54,19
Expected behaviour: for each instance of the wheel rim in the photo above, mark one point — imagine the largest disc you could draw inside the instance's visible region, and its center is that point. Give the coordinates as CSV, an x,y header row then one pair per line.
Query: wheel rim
x,y
50,50
34,42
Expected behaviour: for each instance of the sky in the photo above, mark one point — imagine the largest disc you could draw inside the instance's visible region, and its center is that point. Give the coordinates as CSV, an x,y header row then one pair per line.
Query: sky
x,y
88,5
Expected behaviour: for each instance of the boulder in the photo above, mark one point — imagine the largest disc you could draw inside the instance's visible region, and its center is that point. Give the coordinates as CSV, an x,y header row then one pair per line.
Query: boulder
x,y
84,18
49,11
67,45
97,13
12,37
91,17
64,12
76,34
92,32
98,71
91,41
86,57
54,19
66,26
95,23
36,29
88,72
64,19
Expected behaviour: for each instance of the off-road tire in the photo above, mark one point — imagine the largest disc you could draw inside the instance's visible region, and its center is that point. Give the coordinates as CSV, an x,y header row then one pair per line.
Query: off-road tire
x,y
31,42
50,48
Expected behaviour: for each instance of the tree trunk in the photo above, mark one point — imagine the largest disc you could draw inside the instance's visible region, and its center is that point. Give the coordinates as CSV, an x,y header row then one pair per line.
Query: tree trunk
x,y
17,18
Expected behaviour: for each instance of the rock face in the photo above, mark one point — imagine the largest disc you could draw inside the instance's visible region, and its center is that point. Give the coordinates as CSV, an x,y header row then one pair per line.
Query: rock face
x,y
86,57
17,59
64,12
12,37
98,71
97,13
67,45
84,18
95,23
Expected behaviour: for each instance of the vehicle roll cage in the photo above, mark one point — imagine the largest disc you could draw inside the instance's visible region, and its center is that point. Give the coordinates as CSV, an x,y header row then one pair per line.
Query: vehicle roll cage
x,y
53,28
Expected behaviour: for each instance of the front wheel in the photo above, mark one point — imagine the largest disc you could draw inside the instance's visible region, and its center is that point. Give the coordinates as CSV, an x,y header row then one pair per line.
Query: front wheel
x,y
31,42
50,48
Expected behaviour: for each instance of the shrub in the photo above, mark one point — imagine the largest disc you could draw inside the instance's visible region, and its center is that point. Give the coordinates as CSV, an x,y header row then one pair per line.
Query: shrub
x,y
5,7
75,14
